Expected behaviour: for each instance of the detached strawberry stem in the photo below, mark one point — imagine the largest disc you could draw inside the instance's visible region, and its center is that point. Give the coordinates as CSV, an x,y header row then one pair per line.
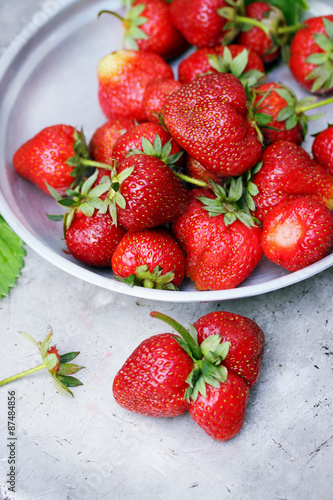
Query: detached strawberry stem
x,y
301,109
22,374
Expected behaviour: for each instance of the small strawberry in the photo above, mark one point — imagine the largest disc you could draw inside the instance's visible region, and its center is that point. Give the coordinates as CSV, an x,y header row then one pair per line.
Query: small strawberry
x,y
148,28
322,148
288,119
90,235
221,241
149,138
123,76
209,118
54,156
288,172
298,233
150,258
235,59
103,139
155,96
311,54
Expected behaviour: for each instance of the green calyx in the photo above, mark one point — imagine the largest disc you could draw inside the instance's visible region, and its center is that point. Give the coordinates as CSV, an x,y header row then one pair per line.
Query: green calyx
x,y
131,23
207,358
236,66
234,199
61,370
155,279
157,150
323,73
80,160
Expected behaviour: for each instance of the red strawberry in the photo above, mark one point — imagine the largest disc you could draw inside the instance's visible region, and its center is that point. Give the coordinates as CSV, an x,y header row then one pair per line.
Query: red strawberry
x,y
153,379
123,76
53,156
289,121
235,59
311,55
266,45
246,342
155,96
298,233
289,172
209,119
142,138
150,258
322,148
144,193
221,250
148,27
196,171
103,139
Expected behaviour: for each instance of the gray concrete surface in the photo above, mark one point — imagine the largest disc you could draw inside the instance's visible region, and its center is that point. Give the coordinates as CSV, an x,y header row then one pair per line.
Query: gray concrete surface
x,y
88,448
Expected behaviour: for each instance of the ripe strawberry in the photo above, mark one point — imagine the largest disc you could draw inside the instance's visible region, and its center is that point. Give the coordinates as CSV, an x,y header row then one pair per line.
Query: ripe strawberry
x,y
103,139
144,193
235,59
148,27
298,233
246,342
311,55
289,172
150,258
155,96
209,119
141,139
196,171
289,121
322,148
266,45
221,242
54,156
123,76
153,379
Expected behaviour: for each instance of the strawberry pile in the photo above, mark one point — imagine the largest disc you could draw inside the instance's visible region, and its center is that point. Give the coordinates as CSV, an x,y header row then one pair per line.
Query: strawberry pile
x,y
202,175
207,370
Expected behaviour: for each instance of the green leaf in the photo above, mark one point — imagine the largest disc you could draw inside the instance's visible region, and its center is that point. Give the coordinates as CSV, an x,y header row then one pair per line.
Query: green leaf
x,y
262,118
69,381
69,356
317,59
11,257
285,113
323,41
238,64
329,28
68,368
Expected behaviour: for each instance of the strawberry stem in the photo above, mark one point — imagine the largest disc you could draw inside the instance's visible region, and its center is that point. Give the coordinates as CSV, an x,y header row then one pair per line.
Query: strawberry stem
x,y
112,13
97,164
289,29
22,374
254,22
192,344
301,109
191,180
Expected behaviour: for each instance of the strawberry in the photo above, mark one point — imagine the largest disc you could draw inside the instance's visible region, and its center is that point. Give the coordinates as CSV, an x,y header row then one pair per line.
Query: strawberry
x,y
267,44
246,342
209,119
89,232
322,148
150,258
123,76
221,241
155,95
54,156
289,172
196,171
298,233
148,28
103,139
153,379
143,193
288,119
235,59
311,55
141,139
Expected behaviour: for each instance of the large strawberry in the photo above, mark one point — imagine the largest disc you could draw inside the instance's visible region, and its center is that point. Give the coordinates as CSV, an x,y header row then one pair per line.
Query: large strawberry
x,y
235,59
221,242
148,27
150,258
209,118
103,140
54,156
123,76
298,233
289,172
156,93
322,148
311,54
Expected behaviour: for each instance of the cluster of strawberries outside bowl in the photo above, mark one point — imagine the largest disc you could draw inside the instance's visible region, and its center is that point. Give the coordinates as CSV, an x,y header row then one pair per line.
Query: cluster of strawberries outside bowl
x,y
195,176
